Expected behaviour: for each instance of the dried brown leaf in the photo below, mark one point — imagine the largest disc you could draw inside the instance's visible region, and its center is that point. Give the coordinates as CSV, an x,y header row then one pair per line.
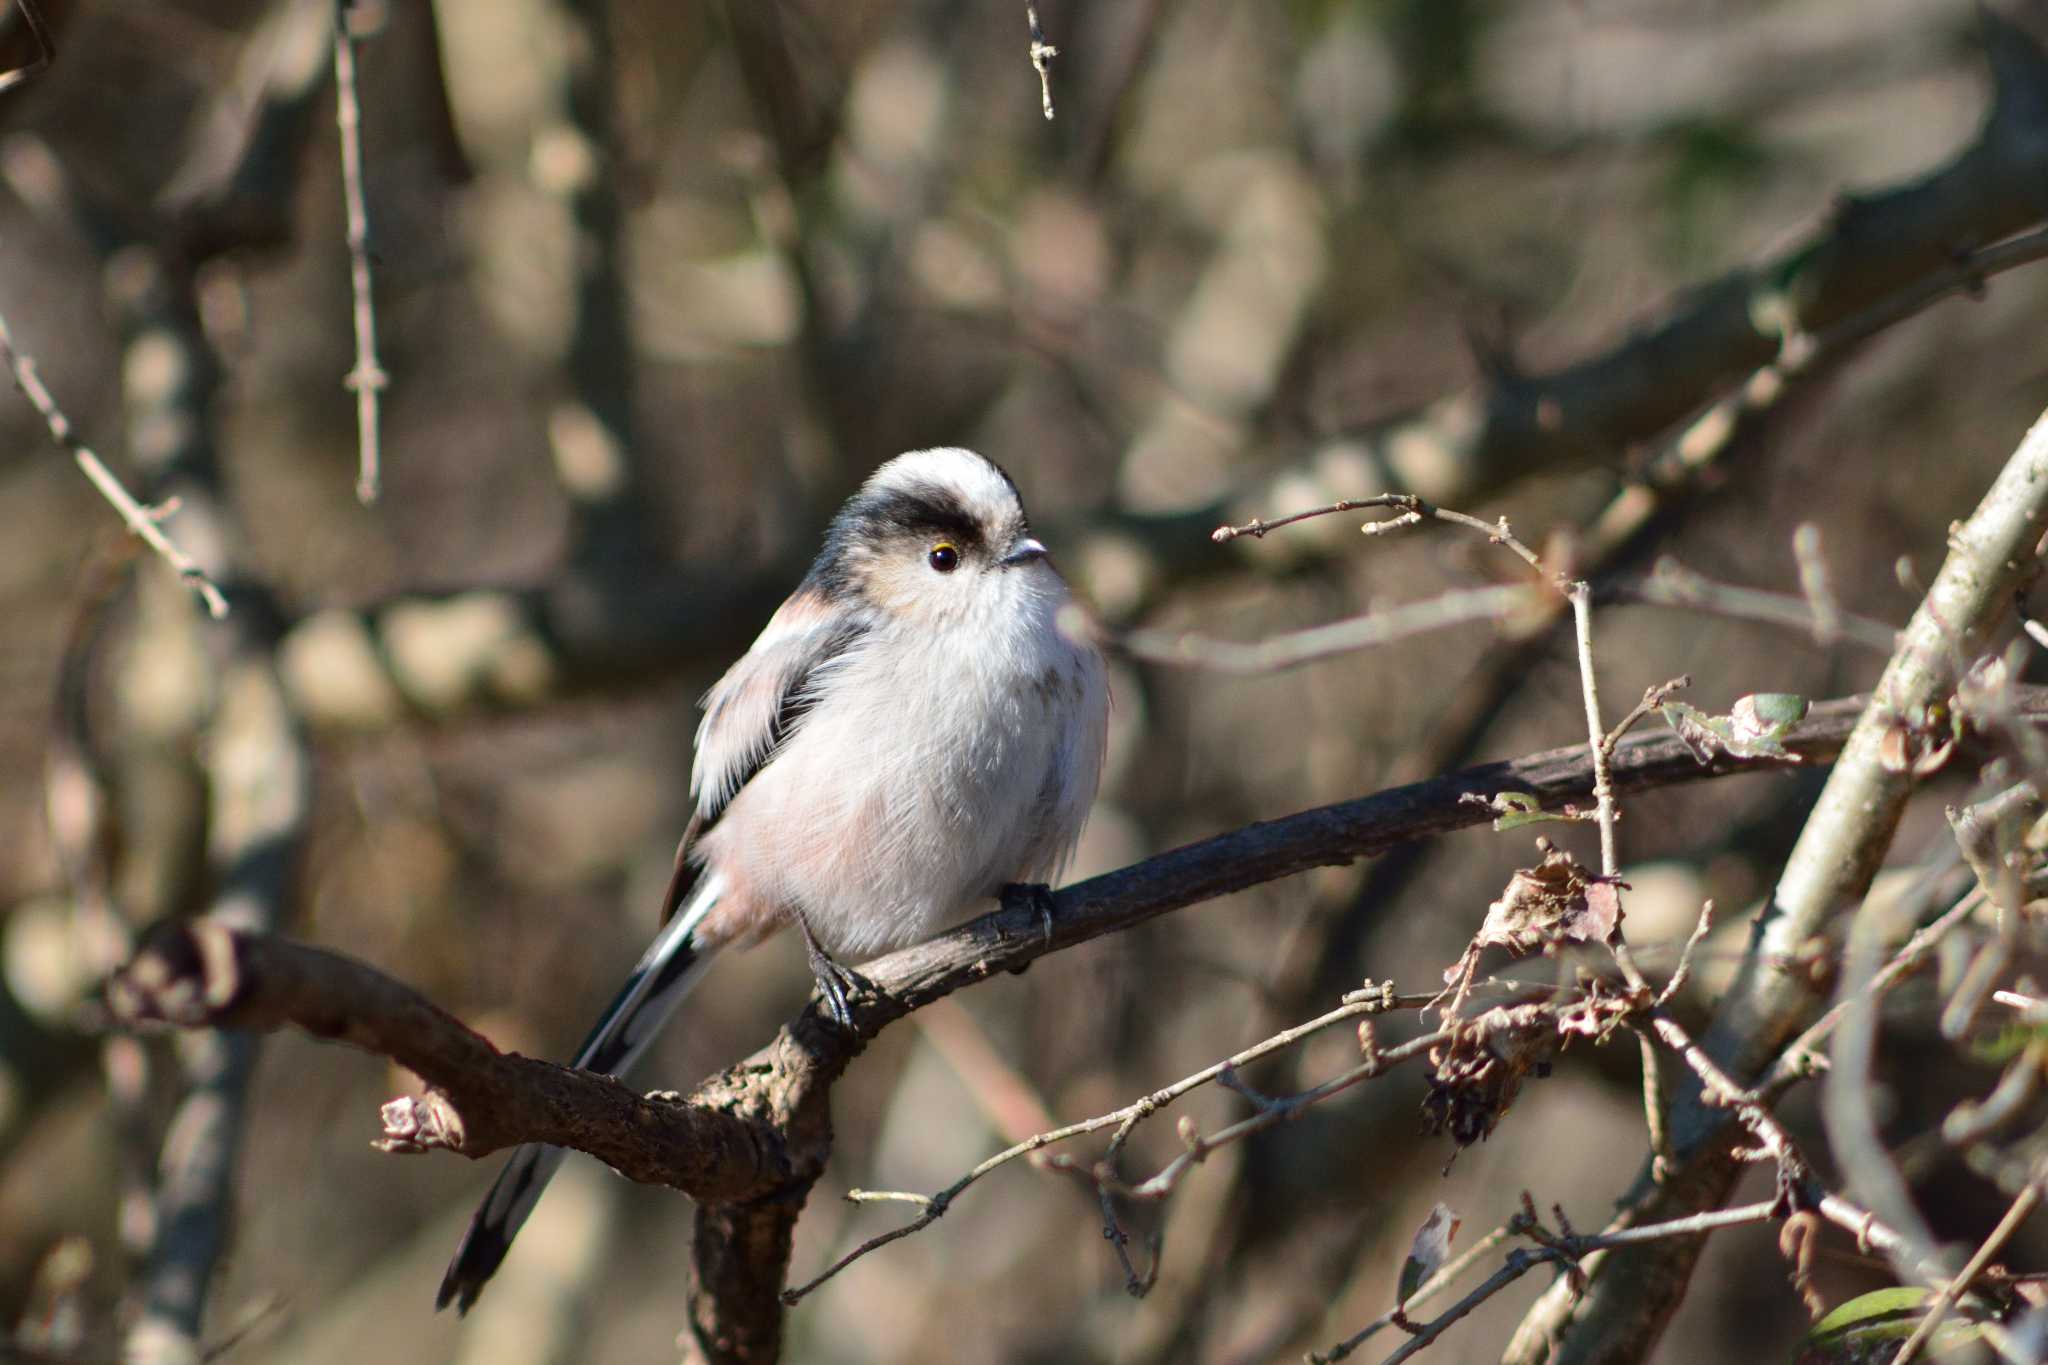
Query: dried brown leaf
x,y
1558,900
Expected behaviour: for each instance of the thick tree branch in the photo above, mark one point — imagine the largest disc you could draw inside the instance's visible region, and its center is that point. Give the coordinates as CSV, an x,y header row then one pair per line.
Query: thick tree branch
x,y
479,1100
751,1141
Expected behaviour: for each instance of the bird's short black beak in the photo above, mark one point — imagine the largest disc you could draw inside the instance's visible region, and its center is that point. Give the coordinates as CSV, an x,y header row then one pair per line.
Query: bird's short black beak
x,y
1023,552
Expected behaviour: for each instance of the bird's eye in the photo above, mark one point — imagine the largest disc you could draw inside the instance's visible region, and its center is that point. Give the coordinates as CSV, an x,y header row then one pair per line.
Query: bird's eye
x,y
944,556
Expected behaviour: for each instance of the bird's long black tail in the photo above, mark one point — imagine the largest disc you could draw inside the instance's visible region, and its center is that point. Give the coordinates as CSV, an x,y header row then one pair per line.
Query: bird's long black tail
x,y
672,964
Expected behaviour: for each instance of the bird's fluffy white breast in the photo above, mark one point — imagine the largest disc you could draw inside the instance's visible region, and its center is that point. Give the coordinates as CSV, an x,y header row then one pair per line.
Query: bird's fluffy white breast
x,y
927,774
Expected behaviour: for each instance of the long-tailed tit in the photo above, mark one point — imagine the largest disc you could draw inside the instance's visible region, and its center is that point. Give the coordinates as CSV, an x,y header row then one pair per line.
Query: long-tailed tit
x,y
913,734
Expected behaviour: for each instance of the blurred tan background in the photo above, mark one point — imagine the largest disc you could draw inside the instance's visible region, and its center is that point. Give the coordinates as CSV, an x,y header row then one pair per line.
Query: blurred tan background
x,y
656,285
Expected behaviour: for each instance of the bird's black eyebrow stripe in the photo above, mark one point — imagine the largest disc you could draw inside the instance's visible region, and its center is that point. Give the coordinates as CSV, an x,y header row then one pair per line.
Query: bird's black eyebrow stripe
x,y
921,509
925,508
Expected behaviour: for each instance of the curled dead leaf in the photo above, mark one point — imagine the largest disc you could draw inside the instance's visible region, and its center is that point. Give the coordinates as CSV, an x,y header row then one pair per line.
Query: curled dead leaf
x,y
1477,1072
1558,900
1917,749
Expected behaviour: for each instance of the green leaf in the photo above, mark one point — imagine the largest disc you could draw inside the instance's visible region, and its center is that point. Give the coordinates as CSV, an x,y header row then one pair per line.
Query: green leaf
x,y
1881,1308
1868,1329
1520,808
1753,728
1779,710
2010,1041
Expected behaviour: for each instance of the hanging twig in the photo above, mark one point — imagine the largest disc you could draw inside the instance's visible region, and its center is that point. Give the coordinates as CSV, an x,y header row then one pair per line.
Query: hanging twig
x,y
1042,54
367,379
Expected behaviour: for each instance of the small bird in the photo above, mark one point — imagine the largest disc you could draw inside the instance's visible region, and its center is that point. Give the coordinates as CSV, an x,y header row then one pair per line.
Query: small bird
x,y
913,734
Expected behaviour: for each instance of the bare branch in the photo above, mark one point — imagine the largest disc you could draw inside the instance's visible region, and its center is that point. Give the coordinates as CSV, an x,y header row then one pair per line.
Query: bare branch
x,y
1339,637
1257,528
2022,1207
1268,1112
1360,632
1597,742
143,522
1671,584
367,380
479,1099
1800,1057
1519,1263
1446,1275
1683,972
934,1206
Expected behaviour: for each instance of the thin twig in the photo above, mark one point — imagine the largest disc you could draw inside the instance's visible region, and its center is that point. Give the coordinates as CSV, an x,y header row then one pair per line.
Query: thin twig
x,y
1359,632
1598,743
1683,971
1322,642
1721,1090
1653,697
1671,584
1519,1263
1566,1249
368,378
1412,508
142,521
46,50
2022,1206
1691,1225
1042,54
1268,1115
935,1206
1257,528
1446,1275
1799,1058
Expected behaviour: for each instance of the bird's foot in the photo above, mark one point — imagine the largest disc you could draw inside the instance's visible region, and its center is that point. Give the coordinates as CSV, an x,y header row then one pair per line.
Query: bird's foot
x,y
837,985
1035,897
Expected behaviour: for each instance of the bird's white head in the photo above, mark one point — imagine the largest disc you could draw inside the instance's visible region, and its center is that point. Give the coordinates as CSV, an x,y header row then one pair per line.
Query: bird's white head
x,y
938,536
